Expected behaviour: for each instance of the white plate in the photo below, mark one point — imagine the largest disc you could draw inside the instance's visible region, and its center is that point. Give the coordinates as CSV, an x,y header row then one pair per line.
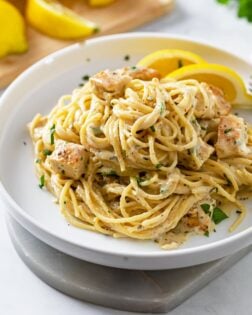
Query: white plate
x,y
37,90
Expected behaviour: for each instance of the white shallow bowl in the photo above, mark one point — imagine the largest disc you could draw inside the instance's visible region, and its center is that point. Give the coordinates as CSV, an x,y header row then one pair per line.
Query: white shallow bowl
x,y
37,90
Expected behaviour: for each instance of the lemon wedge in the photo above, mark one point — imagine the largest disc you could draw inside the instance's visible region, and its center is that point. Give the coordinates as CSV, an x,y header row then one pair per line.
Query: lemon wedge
x,y
168,60
53,19
12,34
100,3
220,76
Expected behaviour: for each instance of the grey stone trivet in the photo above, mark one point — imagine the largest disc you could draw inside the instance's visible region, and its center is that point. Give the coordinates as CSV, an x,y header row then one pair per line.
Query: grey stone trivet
x,y
139,291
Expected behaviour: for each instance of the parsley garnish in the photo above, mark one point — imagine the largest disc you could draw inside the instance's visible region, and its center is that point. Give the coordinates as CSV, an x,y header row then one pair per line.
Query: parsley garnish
x,y
133,67
162,108
109,173
180,63
205,207
37,161
206,233
218,215
47,152
159,165
152,128
139,180
127,57
52,131
42,181
228,130
85,77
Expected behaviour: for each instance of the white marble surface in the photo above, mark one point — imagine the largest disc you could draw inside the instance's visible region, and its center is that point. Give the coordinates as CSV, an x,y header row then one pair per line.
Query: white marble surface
x,y
22,293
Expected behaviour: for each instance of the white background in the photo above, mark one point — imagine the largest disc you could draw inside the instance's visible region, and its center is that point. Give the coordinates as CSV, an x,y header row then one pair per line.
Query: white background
x,y
23,293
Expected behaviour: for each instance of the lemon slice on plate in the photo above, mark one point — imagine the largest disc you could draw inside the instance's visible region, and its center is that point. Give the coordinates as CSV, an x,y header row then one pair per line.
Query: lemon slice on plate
x,y
168,60
54,19
12,30
220,76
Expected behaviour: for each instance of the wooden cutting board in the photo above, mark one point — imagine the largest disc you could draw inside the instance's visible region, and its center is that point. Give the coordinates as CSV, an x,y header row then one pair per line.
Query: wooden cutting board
x,y
121,16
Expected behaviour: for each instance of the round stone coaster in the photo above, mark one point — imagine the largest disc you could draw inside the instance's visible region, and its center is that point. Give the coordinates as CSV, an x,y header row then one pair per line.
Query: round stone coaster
x,y
139,291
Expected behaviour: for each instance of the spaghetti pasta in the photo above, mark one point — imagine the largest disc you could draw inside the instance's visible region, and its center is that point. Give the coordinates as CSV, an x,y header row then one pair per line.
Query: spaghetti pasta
x,y
130,155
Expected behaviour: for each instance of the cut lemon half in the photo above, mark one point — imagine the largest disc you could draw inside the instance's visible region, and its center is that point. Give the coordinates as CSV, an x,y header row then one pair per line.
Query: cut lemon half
x,y
168,60
12,34
220,76
54,19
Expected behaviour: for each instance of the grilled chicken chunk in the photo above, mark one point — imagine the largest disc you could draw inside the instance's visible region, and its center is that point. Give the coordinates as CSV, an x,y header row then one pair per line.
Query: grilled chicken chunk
x,y
216,105
115,82
68,159
141,73
232,137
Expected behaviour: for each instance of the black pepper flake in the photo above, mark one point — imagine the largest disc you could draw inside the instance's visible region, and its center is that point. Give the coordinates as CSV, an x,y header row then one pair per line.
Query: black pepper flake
x,y
238,211
127,57
24,143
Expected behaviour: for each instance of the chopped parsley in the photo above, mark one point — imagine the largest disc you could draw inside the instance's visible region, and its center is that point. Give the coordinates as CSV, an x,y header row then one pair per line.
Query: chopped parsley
x,y
52,132
159,165
139,180
228,130
81,84
206,233
133,68
180,63
218,215
162,108
42,181
85,77
127,57
205,207
47,152
37,161
110,173
152,128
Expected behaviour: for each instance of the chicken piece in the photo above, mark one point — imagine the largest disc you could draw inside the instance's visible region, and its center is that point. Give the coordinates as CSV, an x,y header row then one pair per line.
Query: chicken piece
x,y
194,158
68,159
141,73
113,82
232,137
217,105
